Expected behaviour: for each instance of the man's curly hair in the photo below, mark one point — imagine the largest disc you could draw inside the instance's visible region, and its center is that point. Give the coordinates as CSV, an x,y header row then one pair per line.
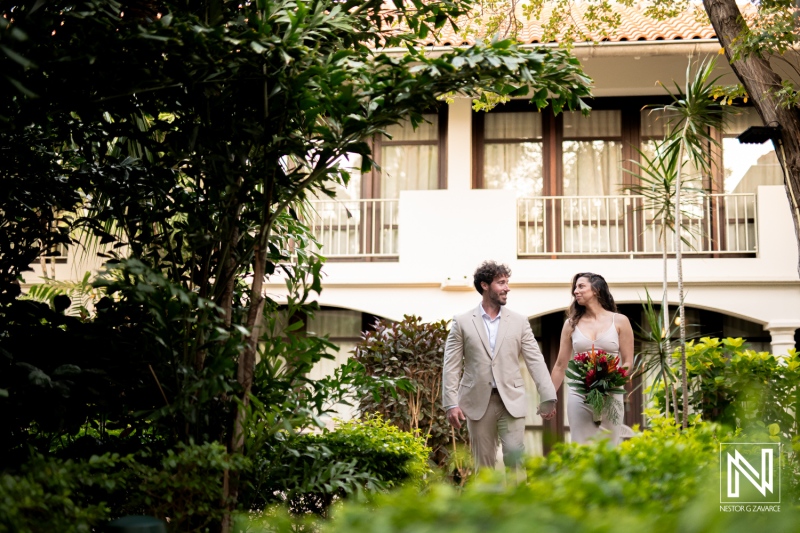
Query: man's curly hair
x,y
487,272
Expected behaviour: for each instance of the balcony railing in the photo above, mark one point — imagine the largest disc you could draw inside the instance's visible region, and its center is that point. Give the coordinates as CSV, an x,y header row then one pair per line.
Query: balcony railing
x,y
355,228
713,224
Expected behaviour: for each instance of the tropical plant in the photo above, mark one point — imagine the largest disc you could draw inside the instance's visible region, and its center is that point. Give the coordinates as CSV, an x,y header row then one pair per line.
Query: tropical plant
x,y
74,298
693,115
740,387
654,360
656,176
663,182
308,472
412,350
184,137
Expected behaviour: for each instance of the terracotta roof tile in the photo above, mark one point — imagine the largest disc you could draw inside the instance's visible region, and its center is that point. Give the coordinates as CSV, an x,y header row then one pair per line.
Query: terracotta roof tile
x,y
635,26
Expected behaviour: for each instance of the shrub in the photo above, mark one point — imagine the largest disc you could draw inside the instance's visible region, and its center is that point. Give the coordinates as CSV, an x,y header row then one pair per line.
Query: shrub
x,y
51,495
413,350
739,387
183,485
660,470
662,481
310,471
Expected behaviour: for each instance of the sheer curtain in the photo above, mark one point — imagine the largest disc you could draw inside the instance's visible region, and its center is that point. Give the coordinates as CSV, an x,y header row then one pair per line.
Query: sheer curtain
x,y
409,161
408,168
592,161
410,157
592,171
512,157
512,160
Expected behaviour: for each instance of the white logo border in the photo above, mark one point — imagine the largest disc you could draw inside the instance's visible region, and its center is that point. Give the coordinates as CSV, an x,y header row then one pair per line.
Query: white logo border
x,y
721,477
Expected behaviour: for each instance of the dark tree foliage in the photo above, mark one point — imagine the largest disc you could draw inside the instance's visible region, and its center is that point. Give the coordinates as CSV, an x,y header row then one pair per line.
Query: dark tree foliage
x,y
180,139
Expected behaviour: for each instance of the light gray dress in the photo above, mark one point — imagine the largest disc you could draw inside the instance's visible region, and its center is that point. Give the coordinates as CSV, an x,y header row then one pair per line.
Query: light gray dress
x,y
581,424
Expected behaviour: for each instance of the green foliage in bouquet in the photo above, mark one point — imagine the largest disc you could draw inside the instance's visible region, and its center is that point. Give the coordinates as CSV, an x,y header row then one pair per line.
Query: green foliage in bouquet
x,y
597,376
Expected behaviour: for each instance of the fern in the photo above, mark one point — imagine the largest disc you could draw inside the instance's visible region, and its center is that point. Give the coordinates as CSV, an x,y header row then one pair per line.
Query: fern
x,y
82,294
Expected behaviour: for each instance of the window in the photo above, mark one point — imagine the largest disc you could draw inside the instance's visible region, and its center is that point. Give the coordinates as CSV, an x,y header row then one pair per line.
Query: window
x,y
409,160
360,223
592,221
592,153
569,173
746,166
512,156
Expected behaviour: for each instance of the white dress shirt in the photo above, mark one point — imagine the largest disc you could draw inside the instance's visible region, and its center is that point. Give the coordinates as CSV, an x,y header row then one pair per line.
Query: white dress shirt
x,y
492,325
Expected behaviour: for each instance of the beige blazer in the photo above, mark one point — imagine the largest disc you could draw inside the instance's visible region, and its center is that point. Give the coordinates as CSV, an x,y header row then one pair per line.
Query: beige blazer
x,y
468,348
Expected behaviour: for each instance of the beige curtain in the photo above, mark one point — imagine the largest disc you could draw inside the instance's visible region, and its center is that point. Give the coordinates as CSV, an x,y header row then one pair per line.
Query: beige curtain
x,y
515,166
592,167
408,168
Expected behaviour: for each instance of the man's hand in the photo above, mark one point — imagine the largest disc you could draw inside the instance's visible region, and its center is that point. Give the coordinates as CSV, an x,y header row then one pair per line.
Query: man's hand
x,y
547,410
455,416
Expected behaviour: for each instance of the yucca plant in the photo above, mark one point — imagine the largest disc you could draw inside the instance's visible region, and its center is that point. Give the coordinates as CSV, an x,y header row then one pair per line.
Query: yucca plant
x,y
656,180
692,115
654,360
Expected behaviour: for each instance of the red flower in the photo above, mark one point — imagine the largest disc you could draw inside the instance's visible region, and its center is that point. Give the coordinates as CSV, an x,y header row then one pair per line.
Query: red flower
x,y
603,359
580,358
623,372
590,375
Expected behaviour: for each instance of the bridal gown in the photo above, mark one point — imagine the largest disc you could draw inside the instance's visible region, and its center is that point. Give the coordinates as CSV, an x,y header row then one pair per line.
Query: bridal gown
x,y
581,425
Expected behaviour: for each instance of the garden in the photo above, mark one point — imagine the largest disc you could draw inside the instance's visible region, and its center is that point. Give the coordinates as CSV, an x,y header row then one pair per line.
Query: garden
x,y
180,143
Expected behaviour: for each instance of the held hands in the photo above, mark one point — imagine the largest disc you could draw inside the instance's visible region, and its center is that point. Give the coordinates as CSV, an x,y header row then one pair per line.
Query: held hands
x,y
455,416
547,410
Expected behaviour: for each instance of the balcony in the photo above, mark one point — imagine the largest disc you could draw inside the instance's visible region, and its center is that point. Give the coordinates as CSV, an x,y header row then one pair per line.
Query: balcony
x,y
713,225
356,229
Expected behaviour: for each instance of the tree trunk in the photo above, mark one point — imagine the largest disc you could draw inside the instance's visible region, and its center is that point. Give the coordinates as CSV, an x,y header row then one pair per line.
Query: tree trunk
x,y
245,373
761,81
679,266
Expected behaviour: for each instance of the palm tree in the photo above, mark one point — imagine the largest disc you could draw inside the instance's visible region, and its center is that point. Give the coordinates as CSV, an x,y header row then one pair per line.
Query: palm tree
x,y
656,182
692,115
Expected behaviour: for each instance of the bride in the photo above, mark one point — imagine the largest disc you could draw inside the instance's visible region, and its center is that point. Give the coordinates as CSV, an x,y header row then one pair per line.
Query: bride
x,y
593,322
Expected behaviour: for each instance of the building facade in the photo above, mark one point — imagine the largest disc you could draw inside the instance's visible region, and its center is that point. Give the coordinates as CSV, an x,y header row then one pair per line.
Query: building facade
x,y
546,195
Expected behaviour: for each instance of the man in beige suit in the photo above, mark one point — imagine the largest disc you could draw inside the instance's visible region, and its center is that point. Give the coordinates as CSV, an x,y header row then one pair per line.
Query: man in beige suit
x,y
486,343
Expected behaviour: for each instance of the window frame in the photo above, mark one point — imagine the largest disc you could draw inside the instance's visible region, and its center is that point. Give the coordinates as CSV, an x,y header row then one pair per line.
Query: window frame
x,y
371,182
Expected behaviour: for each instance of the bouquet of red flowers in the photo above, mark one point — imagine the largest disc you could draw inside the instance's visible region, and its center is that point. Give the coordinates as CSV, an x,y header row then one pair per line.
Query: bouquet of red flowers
x,y
597,375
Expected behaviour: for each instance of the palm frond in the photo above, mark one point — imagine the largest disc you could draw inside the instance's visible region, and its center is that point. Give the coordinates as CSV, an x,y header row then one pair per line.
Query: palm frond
x,y
82,294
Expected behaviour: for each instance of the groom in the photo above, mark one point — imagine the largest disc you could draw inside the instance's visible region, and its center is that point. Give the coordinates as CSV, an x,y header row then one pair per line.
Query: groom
x,y
486,343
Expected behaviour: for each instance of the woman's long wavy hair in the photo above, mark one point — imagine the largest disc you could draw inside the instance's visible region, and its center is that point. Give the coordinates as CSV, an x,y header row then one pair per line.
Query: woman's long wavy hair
x,y
600,289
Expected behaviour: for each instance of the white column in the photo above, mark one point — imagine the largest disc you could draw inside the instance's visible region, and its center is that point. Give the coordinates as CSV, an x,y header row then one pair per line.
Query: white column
x,y
782,332
459,145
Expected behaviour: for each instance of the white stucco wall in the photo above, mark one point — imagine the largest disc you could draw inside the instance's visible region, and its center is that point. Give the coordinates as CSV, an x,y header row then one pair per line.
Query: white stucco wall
x,y
446,234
